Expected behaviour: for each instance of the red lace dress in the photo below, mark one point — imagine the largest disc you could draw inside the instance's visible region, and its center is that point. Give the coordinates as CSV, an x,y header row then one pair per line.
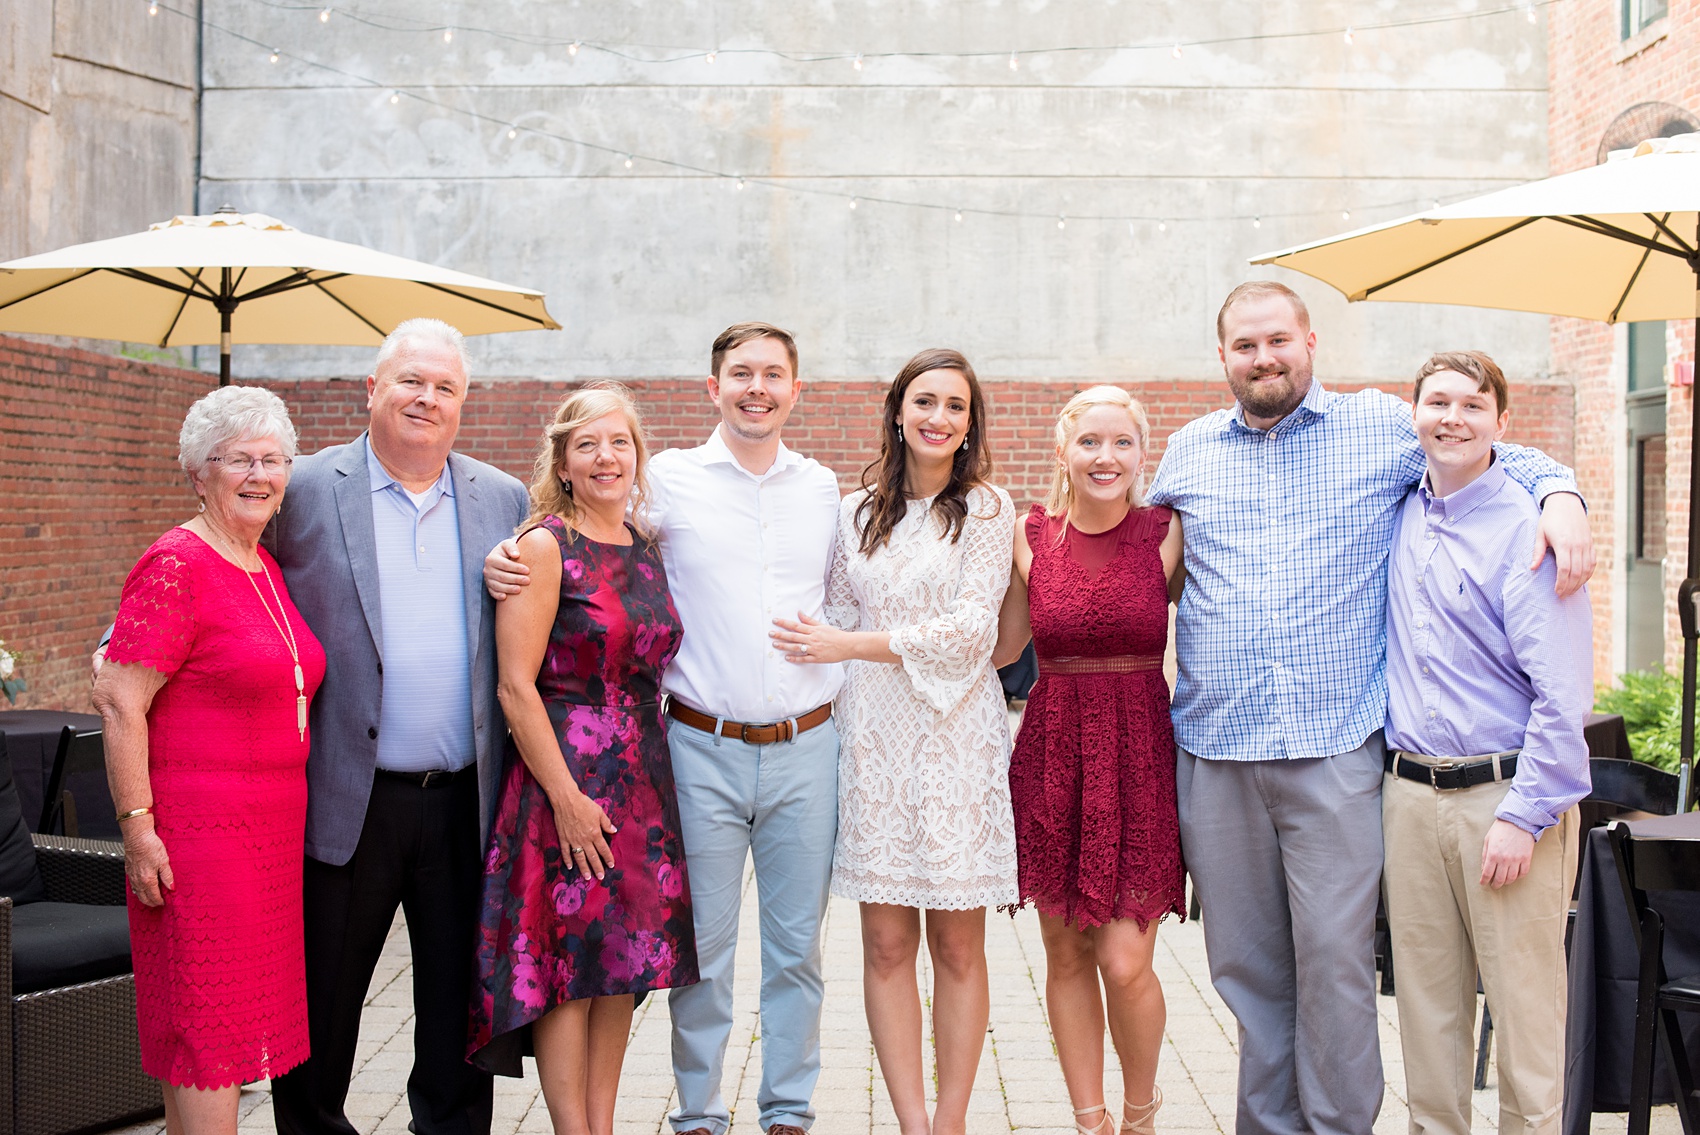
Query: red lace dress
x,y
1092,778
221,989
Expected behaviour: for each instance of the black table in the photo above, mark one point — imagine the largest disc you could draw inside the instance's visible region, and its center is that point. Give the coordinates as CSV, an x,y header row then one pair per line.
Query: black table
x,y
1604,966
32,738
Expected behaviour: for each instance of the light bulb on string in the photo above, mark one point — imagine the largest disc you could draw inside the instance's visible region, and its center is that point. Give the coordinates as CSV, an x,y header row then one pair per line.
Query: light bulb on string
x,y
1348,37
1062,222
740,185
629,161
1014,62
1345,214
709,58
572,48
153,9
395,97
1162,226
857,62
448,35
959,216
324,15
853,203
274,56
1530,10
1435,204
1176,52
513,132
1257,222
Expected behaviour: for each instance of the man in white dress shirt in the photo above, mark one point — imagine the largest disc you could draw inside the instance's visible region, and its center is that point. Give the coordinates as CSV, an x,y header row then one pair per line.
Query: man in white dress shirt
x,y
746,528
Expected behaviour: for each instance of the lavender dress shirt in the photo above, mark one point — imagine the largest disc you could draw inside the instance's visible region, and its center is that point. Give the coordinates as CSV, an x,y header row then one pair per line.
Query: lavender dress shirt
x,y
1482,655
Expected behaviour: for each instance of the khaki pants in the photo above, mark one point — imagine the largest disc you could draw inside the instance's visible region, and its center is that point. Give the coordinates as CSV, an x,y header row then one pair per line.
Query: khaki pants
x,y
1447,926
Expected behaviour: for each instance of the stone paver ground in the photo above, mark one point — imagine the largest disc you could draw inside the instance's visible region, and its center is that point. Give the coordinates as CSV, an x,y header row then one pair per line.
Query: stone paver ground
x,y
1019,1088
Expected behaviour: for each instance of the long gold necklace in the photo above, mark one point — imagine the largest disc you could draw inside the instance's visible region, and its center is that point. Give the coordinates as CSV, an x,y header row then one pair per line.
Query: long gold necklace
x,y
283,629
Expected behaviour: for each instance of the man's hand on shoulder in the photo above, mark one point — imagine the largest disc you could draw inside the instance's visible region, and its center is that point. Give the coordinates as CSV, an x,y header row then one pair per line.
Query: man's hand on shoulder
x,y
504,574
1565,532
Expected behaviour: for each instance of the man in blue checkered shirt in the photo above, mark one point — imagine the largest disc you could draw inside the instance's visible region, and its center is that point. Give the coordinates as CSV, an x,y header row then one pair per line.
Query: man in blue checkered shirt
x,y
1288,503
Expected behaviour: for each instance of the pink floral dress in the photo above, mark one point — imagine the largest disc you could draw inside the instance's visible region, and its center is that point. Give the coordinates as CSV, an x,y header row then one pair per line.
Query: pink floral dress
x,y
547,936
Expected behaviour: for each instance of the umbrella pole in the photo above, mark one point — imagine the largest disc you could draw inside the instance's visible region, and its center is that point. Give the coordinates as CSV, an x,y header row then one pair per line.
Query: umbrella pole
x,y
226,304
1685,596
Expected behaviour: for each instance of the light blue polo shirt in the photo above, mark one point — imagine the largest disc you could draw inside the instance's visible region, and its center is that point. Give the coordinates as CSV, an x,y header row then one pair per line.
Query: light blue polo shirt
x,y
426,717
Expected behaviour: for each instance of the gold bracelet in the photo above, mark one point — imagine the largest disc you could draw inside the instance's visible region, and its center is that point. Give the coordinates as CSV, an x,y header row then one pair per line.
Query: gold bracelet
x,y
134,812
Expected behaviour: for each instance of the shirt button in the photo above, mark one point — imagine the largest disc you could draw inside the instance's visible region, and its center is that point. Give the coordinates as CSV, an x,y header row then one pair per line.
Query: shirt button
x,y
422,549
1418,623
1431,713
1425,669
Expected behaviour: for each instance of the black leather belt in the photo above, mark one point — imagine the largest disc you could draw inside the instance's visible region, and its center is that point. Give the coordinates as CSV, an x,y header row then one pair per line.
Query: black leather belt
x,y
1449,776
430,778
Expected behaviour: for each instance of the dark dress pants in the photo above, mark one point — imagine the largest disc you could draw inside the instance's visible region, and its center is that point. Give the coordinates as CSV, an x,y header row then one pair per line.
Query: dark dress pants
x,y
419,849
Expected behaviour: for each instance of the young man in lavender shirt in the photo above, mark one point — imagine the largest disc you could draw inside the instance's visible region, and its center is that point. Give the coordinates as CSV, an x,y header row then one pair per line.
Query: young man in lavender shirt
x,y
1489,675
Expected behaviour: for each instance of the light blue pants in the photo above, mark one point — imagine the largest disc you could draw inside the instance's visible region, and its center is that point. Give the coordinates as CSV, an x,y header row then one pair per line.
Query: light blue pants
x,y
779,802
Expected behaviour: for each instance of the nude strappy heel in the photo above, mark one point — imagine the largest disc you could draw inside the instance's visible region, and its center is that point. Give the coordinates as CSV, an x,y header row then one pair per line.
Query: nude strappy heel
x,y
1098,1127
1142,1119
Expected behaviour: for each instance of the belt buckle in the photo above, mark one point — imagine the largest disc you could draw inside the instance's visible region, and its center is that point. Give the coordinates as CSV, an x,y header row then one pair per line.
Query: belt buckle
x,y
432,776
1443,766
744,732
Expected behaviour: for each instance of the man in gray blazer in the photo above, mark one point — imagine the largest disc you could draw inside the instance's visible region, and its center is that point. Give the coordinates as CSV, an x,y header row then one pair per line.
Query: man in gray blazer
x,y
382,542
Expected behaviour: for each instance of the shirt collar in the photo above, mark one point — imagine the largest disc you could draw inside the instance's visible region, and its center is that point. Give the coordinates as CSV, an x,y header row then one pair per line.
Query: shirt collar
x,y
379,478
1315,404
1467,499
717,452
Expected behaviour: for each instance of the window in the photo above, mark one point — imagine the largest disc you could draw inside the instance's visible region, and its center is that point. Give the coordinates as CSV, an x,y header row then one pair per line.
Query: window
x,y
1646,356
1637,14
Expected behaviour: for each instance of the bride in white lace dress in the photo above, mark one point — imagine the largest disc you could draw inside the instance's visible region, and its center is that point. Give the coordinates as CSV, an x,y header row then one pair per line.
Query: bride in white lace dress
x,y
924,820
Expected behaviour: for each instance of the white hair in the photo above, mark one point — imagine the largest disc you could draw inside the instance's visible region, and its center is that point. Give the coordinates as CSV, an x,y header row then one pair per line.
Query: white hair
x,y
232,413
431,330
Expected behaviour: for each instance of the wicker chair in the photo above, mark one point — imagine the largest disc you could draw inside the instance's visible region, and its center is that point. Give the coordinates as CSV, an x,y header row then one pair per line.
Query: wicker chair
x,y
71,1061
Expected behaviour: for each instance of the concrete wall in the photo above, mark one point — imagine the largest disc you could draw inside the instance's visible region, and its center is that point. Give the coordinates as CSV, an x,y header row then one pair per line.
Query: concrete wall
x,y
644,265
97,120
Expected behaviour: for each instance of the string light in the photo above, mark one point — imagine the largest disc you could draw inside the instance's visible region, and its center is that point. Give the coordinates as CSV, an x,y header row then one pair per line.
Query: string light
x,y
448,35
324,15
1530,9
153,9
1345,214
709,58
1014,63
740,185
1176,52
275,56
513,132
857,62
1348,35
1062,222
572,48
686,168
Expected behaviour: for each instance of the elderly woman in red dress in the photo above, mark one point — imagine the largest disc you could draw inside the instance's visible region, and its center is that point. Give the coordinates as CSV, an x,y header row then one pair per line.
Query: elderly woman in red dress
x,y
204,698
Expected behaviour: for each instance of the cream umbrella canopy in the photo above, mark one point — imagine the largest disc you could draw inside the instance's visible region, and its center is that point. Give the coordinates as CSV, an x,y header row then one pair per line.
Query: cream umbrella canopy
x,y
1619,242
246,278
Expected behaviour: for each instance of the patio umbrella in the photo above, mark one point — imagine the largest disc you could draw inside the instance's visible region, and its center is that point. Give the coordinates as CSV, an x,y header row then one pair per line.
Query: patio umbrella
x,y
1619,242
246,278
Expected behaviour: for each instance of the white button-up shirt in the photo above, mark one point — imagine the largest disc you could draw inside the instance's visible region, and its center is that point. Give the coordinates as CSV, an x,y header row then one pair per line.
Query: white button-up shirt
x,y
742,550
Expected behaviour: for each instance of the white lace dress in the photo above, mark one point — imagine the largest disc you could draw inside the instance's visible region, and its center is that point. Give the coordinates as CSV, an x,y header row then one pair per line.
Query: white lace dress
x,y
923,777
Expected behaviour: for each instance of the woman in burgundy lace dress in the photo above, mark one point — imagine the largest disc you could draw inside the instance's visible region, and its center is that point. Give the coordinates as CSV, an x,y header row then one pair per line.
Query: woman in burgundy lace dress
x,y
1092,778
586,902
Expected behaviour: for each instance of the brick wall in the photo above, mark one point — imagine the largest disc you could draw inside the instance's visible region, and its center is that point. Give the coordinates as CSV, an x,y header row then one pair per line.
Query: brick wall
x,y
1594,76
88,447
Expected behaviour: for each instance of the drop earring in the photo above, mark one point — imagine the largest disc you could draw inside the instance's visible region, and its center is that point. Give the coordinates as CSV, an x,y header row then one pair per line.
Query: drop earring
x,y
201,505
900,431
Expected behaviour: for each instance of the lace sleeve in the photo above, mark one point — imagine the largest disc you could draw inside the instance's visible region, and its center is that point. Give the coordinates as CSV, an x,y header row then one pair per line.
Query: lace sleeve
x,y
944,656
156,614
842,610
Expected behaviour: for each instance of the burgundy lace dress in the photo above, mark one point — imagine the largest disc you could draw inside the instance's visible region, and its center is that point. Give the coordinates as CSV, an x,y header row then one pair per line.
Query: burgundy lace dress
x,y
1092,778
221,983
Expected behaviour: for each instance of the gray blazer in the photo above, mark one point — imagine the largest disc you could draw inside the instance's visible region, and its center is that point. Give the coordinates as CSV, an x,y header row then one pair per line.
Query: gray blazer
x,y
323,538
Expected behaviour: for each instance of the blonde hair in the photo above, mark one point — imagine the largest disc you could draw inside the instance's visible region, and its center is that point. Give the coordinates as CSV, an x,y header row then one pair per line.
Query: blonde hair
x,y
550,496
1068,423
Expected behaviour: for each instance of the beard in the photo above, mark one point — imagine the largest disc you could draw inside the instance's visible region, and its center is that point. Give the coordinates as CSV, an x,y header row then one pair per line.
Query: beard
x,y
1273,398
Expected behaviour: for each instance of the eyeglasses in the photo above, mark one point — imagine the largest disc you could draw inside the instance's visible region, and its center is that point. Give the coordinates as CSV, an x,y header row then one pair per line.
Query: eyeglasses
x,y
243,463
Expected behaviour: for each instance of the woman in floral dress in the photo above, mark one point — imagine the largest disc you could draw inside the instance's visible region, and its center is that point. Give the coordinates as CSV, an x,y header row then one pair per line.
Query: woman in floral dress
x,y
924,823
586,901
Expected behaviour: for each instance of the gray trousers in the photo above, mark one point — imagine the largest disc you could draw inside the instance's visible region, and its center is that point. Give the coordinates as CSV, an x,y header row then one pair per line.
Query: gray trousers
x,y
1286,859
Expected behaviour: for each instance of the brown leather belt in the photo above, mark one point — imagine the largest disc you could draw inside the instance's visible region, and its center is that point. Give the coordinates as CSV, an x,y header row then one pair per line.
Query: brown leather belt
x,y
1110,664
743,731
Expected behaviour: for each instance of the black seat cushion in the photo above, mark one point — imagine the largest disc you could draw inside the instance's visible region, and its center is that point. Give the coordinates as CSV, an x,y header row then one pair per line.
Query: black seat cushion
x,y
20,879
64,943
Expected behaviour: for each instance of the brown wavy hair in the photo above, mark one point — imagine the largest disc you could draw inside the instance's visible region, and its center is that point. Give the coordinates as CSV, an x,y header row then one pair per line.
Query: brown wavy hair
x,y
883,478
550,496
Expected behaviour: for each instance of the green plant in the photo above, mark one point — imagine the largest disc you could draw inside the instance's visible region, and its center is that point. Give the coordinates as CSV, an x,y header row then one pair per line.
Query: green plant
x,y
1650,702
10,684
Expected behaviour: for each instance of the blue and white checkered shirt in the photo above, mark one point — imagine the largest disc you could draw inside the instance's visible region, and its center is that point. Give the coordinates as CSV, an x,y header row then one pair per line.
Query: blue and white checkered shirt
x,y
1282,629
